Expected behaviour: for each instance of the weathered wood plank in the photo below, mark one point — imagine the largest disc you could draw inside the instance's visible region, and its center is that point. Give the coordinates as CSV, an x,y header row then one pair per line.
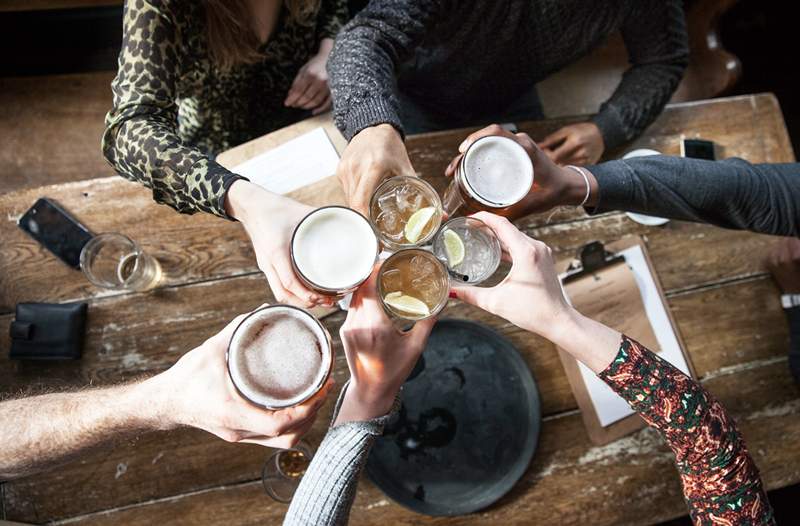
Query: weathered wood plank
x,y
631,481
189,252
740,322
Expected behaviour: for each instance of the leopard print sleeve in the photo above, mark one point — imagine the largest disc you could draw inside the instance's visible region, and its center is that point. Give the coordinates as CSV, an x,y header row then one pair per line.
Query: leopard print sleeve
x,y
332,16
141,140
721,483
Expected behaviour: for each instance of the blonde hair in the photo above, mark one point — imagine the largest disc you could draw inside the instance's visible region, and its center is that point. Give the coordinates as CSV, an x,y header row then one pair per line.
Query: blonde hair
x,y
232,39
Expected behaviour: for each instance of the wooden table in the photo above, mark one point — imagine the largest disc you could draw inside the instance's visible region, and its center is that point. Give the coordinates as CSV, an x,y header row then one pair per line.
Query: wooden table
x,y
725,304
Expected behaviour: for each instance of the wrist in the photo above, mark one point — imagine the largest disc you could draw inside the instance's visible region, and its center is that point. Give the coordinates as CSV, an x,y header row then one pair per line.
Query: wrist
x,y
573,191
362,403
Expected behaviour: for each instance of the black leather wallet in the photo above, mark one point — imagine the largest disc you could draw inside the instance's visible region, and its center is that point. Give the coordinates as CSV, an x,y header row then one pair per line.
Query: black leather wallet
x,y
48,331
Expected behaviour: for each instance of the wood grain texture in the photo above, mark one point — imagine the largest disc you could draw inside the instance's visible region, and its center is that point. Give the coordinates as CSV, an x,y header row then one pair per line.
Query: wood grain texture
x,y
725,305
726,337
631,481
201,247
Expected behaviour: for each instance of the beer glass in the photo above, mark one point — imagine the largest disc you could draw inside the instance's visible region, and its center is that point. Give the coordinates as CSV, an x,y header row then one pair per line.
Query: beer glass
x,y
279,356
469,249
406,211
334,250
113,261
494,174
283,471
413,285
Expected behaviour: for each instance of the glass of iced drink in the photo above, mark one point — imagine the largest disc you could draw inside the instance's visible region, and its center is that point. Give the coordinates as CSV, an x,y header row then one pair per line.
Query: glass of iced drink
x,y
469,249
406,212
413,284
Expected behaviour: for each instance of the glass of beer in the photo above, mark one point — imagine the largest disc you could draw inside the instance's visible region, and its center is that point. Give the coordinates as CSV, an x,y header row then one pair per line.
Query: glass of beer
x,y
279,356
469,249
406,212
113,261
333,250
494,174
413,284
283,471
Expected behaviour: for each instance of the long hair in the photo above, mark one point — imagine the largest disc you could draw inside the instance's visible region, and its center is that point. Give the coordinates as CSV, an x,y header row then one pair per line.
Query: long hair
x,y
232,38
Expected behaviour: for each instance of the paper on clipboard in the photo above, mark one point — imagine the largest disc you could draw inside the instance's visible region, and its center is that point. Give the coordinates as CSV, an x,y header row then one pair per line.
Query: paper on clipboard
x,y
299,162
608,405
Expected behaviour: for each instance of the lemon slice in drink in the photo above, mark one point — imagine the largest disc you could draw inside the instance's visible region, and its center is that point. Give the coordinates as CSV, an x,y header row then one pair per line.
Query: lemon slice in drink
x,y
407,304
453,248
417,223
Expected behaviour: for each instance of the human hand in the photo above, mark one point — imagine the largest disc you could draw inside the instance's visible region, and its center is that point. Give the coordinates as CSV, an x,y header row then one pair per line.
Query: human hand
x,y
580,144
553,185
530,296
379,356
198,392
783,262
310,90
374,154
270,220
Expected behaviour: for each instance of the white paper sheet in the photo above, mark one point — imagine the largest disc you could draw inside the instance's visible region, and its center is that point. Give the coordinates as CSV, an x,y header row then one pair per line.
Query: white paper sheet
x,y
609,406
303,160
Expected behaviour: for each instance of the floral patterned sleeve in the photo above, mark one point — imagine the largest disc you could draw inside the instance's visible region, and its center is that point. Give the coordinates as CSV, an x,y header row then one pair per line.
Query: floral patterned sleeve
x,y
721,483
332,16
141,140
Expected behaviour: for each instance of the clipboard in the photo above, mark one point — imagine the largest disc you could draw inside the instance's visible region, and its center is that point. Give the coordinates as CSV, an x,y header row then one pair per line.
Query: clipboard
x,y
621,272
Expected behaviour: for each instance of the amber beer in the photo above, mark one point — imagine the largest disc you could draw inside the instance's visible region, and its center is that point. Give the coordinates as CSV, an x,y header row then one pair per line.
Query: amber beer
x,y
413,284
333,250
494,174
279,356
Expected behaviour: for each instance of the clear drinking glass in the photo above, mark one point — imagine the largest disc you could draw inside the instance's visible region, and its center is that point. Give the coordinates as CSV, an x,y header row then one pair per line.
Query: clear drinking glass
x,y
469,249
404,206
113,261
413,285
284,469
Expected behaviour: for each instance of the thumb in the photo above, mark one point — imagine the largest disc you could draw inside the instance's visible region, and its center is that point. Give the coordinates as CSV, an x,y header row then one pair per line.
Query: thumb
x,y
477,296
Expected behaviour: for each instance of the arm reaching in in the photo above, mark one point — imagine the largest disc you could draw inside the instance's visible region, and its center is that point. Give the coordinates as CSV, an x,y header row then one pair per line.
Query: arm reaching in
x,y
733,193
380,358
42,432
721,483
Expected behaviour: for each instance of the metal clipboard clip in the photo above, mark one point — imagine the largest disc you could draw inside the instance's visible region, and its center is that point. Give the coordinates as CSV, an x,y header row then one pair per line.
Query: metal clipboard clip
x,y
593,257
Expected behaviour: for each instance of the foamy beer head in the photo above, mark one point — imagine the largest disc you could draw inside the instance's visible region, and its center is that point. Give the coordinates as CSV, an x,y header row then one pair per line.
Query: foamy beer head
x,y
496,171
334,249
279,356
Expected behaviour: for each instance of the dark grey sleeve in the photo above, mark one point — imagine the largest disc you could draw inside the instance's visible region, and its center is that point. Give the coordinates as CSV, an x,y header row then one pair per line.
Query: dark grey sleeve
x,y
365,58
733,193
658,49
328,488
793,317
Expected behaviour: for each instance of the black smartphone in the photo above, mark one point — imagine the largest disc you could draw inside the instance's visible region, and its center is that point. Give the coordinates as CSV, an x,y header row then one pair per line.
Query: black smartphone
x,y
56,230
698,149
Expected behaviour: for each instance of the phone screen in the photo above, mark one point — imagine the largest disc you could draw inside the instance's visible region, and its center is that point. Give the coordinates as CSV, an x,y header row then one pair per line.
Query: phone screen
x,y
56,230
698,149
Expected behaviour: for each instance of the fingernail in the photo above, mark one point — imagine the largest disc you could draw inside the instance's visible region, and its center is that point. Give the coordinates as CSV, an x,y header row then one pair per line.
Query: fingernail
x,y
453,294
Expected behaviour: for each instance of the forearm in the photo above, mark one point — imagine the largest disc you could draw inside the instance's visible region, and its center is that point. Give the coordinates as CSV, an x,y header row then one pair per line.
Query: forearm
x,y
328,488
657,43
720,479
365,57
44,431
733,193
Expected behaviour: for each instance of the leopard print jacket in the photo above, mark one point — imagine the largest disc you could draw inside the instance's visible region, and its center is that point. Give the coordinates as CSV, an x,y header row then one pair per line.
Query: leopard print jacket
x,y
174,110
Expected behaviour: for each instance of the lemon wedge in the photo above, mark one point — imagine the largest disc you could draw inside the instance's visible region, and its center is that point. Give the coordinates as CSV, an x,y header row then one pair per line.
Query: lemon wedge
x,y
453,248
417,223
407,304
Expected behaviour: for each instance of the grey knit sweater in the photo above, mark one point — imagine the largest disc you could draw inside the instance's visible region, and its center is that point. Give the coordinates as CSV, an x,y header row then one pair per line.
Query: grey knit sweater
x,y
477,57
326,493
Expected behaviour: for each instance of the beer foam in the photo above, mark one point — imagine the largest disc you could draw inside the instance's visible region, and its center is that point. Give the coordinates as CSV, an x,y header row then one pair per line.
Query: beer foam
x,y
335,248
278,356
498,171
